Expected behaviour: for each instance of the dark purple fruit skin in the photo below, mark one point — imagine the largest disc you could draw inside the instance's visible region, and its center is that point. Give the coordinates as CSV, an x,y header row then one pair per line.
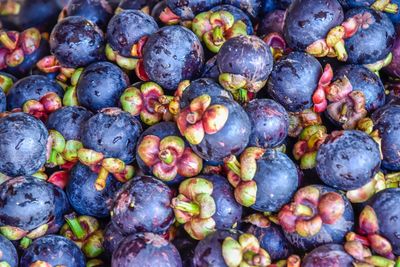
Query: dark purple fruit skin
x,y
112,238
185,245
271,22
162,130
349,161
23,144
187,10
84,197
41,14
362,79
8,252
238,14
62,207
269,123
330,233
202,86
30,60
372,44
246,55
136,4
138,250
386,206
77,42
232,139
277,180
171,55
114,135
251,7
208,251
3,104
272,240
26,202
387,121
309,20
228,211
329,255
55,250
98,11
210,69
31,87
293,81
68,121
151,211
126,28
284,4
394,67
101,85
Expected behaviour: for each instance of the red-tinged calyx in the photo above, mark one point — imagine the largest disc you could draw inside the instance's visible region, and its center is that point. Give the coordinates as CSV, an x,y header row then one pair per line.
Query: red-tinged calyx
x,y
214,28
104,166
48,64
245,251
385,6
277,44
168,17
85,232
148,102
349,110
242,88
259,220
333,44
201,118
368,221
168,157
9,7
140,71
59,178
310,210
12,233
137,49
15,46
319,96
194,207
40,264
364,193
241,174
174,106
300,120
310,139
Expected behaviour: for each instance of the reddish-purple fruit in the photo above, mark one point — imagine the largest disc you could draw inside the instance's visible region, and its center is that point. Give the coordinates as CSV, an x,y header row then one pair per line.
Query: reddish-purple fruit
x,y
329,255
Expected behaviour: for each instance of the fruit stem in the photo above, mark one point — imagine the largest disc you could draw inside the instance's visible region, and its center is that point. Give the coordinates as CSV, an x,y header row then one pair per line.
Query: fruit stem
x,y
75,226
100,183
188,207
53,157
243,96
25,242
233,164
218,35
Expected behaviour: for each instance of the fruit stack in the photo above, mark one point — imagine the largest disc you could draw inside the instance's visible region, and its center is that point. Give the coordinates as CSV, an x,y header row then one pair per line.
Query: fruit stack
x,y
220,133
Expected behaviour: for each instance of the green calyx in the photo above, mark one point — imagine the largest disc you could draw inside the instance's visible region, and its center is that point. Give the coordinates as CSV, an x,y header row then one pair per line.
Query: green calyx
x,y
85,232
70,98
306,148
377,66
5,83
12,233
62,151
126,63
4,264
385,6
245,251
241,175
195,206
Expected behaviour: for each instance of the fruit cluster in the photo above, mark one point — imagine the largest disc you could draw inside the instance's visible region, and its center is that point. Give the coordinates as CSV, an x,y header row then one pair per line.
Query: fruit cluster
x,y
200,133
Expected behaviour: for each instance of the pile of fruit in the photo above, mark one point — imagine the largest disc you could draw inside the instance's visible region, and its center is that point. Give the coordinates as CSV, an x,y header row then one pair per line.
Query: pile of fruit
x,y
237,133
